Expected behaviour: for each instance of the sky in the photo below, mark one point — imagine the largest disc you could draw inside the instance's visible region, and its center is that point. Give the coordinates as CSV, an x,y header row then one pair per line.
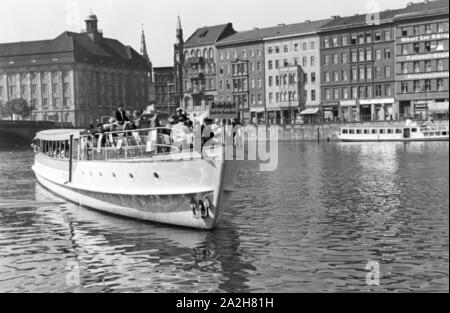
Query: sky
x,y
24,20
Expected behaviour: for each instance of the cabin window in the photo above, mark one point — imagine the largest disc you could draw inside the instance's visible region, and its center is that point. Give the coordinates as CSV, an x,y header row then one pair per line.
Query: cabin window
x,y
366,131
351,131
398,131
374,131
444,133
390,131
426,134
382,131
359,131
345,131
413,130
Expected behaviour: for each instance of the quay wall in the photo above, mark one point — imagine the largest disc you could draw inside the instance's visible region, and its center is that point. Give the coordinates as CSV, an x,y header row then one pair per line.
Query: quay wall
x,y
329,131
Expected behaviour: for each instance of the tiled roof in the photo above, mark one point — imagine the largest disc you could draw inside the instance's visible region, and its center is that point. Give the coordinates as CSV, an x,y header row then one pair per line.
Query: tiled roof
x,y
424,8
71,47
209,35
277,31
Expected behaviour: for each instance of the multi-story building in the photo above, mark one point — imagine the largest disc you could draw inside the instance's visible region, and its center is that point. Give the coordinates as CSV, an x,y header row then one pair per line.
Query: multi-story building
x,y
289,46
358,67
240,74
422,59
76,77
199,69
164,83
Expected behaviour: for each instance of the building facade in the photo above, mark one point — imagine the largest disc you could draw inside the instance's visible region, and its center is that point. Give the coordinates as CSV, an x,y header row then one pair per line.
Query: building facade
x,y
75,78
199,67
422,60
286,48
240,74
358,68
165,95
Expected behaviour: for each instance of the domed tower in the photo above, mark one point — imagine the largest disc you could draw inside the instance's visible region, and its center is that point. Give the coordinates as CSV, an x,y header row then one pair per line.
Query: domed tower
x,y
91,27
178,64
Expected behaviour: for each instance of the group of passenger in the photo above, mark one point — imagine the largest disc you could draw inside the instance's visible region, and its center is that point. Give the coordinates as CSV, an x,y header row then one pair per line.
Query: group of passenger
x,y
179,131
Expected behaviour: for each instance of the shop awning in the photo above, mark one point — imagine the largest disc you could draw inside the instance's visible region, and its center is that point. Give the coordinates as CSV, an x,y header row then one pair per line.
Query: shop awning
x,y
257,110
309,111
438,107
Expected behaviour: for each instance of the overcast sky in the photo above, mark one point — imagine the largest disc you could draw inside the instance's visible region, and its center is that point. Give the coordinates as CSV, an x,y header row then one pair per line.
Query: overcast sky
x,y
23,20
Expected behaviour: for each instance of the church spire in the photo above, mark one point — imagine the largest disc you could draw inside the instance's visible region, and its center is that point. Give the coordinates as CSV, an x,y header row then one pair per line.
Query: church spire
x,y
179,30
144,46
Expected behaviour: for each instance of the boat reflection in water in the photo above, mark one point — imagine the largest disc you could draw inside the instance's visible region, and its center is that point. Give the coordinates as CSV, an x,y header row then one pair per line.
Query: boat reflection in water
x,y
114,254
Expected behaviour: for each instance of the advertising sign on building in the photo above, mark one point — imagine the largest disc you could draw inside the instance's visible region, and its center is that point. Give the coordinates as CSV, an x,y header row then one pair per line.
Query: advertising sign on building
x,y
221,110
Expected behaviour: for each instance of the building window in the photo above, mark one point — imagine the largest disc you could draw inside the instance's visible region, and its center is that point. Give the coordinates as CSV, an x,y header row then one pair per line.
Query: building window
x,y
354,56
387,53
427,46
361,38
378,36
296,61
361,73
270,64
270,81
313,95
369,72
335,76
258,66
440,84
416,86
353,39
354,93
312,45
428,28
305,46
404,68
369,54
270,97
296,46
369,91
377,90
428,66
270,50
404,49
326,43
404,31
378,54
427,85
387,35
440,65
404,87
344,58
387,71
416,30
344,40
378,72
362,92
335,93
313,77
277,49
326,60
416,48
416,67
258,52
313,60
327,94
304,61
361,55
335,42
354,73
277,64
327,77
345,93
286,48
244,54
388,90
344,75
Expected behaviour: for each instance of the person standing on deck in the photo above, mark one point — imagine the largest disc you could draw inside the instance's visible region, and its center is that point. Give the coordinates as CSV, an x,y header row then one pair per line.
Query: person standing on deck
x,y
121,115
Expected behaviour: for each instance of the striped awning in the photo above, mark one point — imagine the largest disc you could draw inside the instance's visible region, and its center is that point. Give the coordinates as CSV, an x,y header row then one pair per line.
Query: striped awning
x,y
309,111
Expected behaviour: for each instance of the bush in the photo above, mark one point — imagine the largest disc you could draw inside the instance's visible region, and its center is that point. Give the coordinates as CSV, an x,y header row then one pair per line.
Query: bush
x,y
16,106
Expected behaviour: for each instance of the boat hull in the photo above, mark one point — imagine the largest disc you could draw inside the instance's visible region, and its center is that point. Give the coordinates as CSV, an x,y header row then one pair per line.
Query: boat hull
x,y
189,193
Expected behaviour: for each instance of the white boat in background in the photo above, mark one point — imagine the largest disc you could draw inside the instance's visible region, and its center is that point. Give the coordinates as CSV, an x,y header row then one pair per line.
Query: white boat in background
x,y
409,131
133,174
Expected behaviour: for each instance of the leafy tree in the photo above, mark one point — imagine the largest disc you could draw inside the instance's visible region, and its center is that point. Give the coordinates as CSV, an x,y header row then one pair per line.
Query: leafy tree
x,y
16,106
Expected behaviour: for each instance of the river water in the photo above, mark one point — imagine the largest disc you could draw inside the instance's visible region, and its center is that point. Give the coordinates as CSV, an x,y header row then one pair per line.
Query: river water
x,y
311,225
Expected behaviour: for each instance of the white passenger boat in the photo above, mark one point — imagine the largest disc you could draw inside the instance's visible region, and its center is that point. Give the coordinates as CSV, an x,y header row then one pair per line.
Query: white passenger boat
x,y
402,132
134,174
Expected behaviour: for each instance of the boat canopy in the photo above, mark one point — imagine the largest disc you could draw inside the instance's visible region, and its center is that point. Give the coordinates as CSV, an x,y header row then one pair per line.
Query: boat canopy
x,y
58,134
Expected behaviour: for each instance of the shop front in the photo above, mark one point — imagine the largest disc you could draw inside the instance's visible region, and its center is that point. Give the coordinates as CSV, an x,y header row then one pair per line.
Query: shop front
x,y
438,110
377,109
310,116
348,111
330,111
257,115
421,109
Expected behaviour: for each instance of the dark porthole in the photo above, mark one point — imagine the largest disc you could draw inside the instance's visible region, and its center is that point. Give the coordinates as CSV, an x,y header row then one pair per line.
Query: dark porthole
x,y
114,174
156,175
131,176
100,173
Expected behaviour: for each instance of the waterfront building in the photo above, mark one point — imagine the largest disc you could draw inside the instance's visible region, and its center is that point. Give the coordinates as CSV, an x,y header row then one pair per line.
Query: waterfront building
x,y
358,68
422,59
75,78
287,47
240,74
164,84
199,67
